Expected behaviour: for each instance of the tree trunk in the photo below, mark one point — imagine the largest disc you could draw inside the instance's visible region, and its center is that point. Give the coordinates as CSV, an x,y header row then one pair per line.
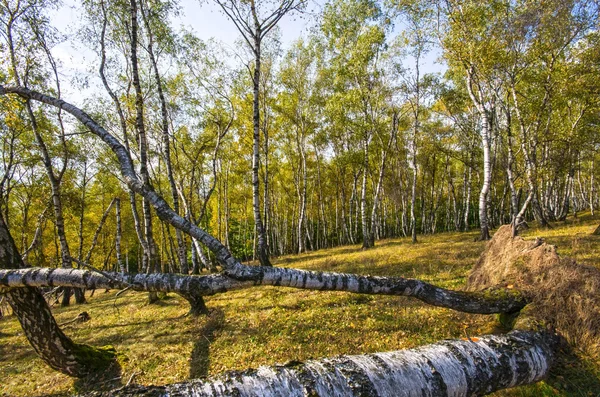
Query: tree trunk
x,y
120,264
262,251
467,197
592,187
509,172
181,247
484,302
486,129
363,197
40,327
152,260
487,177
451,368
301,187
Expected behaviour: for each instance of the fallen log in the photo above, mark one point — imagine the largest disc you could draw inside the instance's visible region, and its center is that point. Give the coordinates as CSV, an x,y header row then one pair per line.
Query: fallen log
x,y
481,302
449,368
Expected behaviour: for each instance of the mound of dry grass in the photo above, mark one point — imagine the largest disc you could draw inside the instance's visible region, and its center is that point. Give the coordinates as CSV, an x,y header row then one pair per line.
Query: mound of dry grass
x,y
563,293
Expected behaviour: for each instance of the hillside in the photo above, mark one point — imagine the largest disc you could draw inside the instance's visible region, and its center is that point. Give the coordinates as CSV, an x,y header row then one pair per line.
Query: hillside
x,y
265,325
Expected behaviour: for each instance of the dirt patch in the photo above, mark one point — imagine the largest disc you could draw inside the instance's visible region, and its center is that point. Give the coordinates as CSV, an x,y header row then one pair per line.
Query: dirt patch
x,y
563,293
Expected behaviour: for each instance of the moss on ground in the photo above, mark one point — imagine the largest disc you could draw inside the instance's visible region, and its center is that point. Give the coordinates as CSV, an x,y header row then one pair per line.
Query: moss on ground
x,y
159,344
95,358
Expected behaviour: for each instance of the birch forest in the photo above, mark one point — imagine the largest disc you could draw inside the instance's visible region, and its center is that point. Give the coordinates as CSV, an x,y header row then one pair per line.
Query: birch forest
x,y
340,139
170,153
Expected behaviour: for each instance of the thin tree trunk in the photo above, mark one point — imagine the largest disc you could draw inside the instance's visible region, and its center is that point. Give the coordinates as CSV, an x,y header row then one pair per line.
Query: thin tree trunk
x,y
120,263
487,176
143,143
467,202
82,212
486,126
262,250
509,171
301,190
592,187
181,247
363,196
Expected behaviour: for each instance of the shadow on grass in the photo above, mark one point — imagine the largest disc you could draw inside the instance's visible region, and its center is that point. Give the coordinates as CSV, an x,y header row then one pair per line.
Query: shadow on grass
x,y
200,361
574,375
100,381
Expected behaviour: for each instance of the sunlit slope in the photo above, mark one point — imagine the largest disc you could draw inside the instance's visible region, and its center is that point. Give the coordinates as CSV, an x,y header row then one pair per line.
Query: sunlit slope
x,y
265,325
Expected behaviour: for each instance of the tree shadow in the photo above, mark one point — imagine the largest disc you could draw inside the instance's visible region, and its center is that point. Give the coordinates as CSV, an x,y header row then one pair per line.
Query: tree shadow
x,y
100,381
200,360
574,374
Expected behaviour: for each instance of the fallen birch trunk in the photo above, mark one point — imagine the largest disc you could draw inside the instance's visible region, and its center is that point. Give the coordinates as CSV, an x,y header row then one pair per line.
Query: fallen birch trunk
x,y
483,302
449,368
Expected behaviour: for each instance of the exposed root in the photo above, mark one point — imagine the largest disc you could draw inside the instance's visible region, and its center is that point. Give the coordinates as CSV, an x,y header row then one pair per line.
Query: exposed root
x,y
563,294
81,318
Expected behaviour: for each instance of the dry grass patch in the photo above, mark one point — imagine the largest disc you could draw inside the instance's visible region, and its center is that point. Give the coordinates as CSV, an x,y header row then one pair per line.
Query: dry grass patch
x,y
563,293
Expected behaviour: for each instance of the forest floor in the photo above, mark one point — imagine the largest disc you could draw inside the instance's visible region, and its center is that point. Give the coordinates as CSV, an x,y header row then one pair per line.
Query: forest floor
x,y
158,344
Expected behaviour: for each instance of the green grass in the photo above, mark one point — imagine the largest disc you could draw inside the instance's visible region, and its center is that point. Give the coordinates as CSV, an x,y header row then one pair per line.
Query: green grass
x,y
158,344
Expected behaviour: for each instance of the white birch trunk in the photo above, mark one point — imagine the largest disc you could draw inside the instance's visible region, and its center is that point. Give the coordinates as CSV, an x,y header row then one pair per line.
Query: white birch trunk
x,y
450,368
485,302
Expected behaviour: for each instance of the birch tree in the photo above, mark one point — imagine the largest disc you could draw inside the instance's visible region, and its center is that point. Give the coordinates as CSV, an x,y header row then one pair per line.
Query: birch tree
x,y
467,40
254,21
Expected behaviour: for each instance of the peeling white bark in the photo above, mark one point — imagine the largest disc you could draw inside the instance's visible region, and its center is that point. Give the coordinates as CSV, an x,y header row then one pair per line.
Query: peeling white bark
x,y
449,368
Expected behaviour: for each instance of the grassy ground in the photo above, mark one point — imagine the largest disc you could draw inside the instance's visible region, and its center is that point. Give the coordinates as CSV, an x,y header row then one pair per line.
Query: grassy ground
x,y
266,325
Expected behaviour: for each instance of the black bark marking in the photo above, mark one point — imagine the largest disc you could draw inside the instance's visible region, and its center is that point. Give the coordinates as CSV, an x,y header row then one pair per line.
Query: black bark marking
x,y
357,379
438,380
